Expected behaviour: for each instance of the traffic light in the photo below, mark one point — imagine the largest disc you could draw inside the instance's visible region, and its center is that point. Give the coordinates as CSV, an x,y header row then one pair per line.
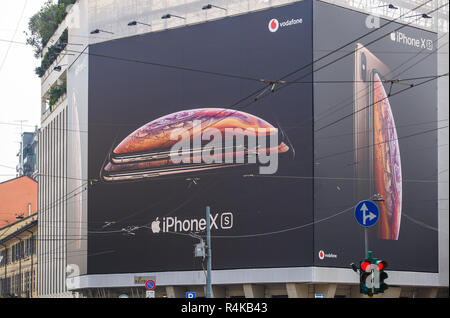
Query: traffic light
x,y
382,275
371,275
365,273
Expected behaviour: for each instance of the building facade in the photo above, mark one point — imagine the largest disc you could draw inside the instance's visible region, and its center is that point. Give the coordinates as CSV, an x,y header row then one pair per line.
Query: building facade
x,y
27,165
18,199
67,218
18,261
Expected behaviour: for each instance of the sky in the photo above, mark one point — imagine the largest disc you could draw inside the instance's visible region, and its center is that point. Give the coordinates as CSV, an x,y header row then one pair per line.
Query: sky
x,y
20,87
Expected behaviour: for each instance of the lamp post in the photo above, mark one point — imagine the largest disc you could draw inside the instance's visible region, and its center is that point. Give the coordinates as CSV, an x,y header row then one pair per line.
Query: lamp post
x,y
422,15
390,6
210,6
168,16
133,23
96,31
58,68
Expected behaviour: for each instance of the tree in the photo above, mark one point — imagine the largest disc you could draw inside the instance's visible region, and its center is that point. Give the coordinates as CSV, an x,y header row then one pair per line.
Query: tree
x,y
44,23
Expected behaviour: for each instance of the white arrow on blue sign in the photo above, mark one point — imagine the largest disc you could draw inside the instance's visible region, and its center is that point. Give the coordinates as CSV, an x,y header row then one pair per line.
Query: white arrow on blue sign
x,y
366,213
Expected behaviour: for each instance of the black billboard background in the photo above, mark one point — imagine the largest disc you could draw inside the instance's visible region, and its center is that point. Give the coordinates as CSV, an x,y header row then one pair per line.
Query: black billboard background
x,y
124,95
414,111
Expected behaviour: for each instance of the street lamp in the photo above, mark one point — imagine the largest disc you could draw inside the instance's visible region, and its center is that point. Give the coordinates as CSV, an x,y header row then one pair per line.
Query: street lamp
x,y
423,15
67,43
60,54
96,31
168,16
58,68
209,6
390,6
132,23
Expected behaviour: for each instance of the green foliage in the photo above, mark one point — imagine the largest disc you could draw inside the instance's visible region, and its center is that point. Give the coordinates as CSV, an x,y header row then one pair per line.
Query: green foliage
x,y
44,23
51,54
55,92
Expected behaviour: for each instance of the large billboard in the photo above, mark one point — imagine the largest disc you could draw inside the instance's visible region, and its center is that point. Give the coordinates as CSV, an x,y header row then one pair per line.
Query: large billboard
x,y
277,126
148,206
375,138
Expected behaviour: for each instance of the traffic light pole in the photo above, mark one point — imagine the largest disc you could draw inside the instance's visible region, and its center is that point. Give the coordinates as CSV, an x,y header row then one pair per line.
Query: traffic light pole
x,y
366,241
208,254
377,198
366,248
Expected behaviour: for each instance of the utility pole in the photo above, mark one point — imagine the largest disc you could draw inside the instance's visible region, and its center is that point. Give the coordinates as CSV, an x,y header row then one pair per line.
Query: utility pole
x,y
200,250
208,254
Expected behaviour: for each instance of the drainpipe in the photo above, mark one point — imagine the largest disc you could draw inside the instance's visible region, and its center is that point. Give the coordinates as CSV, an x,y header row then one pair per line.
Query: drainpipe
x,y
20,268
6,259
31,271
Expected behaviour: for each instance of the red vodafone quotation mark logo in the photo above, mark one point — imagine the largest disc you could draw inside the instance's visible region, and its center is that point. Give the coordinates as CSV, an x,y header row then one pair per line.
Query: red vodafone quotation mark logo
x,y
321,254
273,25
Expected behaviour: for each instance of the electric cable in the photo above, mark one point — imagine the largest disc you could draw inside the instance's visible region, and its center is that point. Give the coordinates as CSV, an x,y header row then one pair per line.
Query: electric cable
x,y
290,82
303,67
341,106
380,143
14,35
346,56
312,63
372,104
273,232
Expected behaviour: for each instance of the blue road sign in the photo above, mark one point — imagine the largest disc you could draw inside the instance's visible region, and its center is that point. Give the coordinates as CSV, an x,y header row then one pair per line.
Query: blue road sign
x,y
366,213
190,295
150,285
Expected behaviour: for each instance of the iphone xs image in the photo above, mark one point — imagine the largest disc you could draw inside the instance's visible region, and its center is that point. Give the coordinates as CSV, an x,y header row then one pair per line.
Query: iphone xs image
x,y
376,147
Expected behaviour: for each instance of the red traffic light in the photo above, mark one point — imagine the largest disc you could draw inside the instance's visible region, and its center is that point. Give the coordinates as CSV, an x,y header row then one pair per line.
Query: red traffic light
x,y
365,266
381,265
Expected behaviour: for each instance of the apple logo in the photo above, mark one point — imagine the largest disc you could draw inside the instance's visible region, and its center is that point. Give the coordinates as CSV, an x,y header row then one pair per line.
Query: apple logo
x,y
155,226
393,36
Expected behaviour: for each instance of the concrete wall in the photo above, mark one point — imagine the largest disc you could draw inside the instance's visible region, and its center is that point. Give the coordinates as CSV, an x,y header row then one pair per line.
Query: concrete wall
x,y
52,163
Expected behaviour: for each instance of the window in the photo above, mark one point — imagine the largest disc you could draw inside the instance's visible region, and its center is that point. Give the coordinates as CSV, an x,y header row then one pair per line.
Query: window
x,y
17,251
5,284
18,284
27,247
30,246
4,257
27,283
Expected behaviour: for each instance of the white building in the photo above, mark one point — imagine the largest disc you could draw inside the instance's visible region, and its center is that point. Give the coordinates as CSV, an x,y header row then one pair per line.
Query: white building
x,y
62,162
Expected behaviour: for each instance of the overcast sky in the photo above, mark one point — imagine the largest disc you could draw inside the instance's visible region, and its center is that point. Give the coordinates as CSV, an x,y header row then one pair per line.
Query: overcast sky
x,y
20,87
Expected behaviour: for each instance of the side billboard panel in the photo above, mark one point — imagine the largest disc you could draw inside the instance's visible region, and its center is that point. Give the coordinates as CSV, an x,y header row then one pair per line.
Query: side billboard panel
x,y
375,137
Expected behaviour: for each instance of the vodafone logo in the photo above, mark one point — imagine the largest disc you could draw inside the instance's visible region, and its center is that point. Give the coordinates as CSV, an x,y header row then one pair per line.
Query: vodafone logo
x,y
273,25
321,254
